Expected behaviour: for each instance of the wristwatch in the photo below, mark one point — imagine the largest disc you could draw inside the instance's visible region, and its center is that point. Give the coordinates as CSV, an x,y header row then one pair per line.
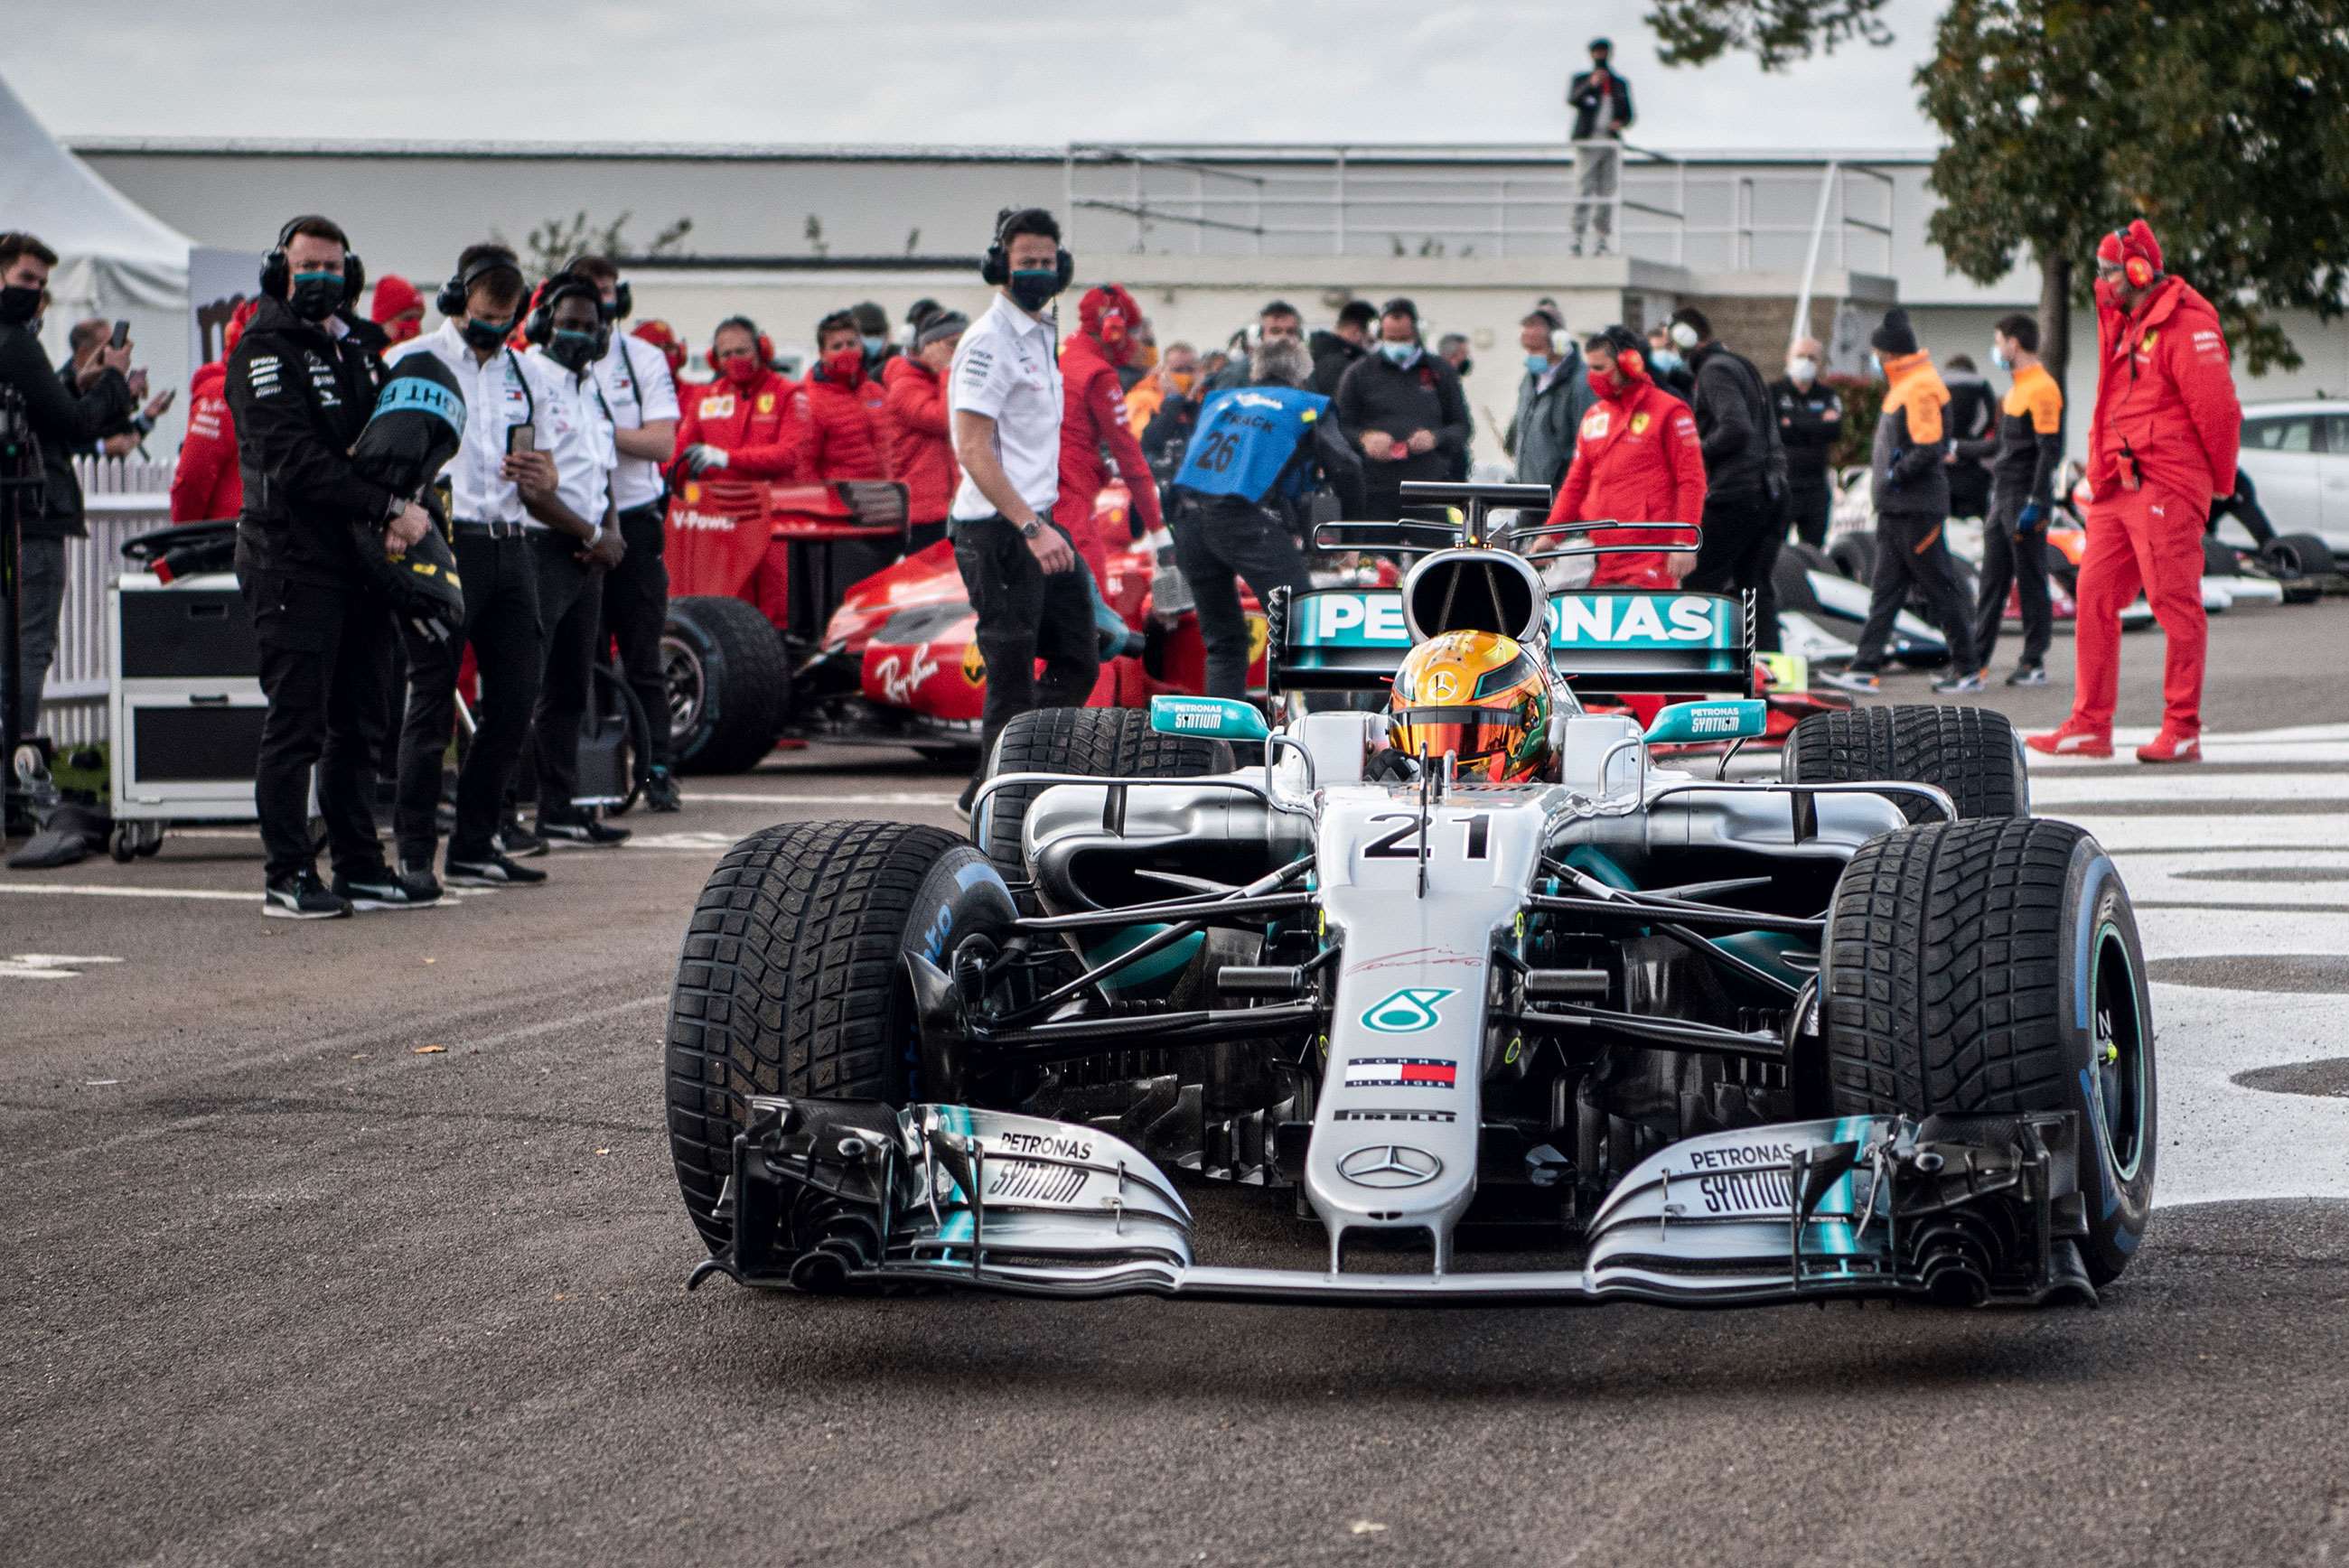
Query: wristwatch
x,y
1031,528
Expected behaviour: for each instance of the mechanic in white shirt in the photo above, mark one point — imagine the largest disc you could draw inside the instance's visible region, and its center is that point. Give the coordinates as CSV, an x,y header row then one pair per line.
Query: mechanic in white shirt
x,y
1031,596
641,397
568,336
502,479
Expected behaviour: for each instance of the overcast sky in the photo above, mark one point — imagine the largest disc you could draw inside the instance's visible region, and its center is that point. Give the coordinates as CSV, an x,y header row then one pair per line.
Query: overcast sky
x,y
1049,71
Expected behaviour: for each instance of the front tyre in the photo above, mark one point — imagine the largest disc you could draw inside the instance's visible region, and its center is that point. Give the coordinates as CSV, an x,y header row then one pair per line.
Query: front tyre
x,y
793,979
1972,753
1992,967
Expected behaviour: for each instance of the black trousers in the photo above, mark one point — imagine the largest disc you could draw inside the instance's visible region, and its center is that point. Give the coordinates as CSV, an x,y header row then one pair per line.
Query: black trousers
x,y
1810,506
1915,551
325,667
570,612
1217,547
501,624
1742,533
1024,616
2020,558
636,609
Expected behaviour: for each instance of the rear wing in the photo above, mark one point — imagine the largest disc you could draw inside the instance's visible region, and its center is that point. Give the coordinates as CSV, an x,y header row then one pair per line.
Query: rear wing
x,y
1601,639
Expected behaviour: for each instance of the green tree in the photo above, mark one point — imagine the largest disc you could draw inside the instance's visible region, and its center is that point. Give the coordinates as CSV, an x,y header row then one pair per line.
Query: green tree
x,y
2221,125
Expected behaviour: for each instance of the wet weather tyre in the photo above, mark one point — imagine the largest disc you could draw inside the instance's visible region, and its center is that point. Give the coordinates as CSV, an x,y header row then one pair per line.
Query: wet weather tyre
x,y
1971,752
1855,556
1098,742
1994,967
793,979
730,683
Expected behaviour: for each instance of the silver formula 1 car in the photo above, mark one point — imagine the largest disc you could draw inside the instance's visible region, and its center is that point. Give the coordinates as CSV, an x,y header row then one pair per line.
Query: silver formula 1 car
x,y
1867,1030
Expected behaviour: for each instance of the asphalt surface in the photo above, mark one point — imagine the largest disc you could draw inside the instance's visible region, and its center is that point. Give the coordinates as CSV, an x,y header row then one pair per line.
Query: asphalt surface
x,y
356,1241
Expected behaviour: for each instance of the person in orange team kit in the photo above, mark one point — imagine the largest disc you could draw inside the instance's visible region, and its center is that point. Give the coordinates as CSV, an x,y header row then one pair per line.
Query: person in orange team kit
x,y
921,444
742,426
206,484
1093,415
2161,447
1636,459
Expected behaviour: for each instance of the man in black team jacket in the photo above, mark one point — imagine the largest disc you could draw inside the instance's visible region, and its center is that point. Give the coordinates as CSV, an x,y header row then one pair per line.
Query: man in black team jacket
x,y
64,422
300,384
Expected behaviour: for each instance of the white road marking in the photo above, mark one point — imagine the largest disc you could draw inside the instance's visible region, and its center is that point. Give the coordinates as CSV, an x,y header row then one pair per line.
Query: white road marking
x,y
884,798
2214,754
2186,783
99,890
2154,834
47,966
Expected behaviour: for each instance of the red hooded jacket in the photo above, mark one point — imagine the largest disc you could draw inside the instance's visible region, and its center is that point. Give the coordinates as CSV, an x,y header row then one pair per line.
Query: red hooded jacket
x,y
921,447
752,425
1093,415
842,428
1636,457
2165,394
207,484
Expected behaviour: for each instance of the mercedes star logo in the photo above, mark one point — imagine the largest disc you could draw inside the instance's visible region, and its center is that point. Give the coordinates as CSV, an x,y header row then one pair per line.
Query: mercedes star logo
x,y
1390,1165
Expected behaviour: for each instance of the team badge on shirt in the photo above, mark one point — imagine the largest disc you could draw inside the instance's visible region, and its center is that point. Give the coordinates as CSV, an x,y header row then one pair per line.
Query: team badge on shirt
x,y
766,402
718,408
1639,424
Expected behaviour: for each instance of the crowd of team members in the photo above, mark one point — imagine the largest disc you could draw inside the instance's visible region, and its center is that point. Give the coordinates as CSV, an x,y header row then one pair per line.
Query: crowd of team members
x,y
575,429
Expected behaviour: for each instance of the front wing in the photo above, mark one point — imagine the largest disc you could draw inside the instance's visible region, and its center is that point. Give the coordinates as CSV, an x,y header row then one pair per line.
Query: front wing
x,y
831,1195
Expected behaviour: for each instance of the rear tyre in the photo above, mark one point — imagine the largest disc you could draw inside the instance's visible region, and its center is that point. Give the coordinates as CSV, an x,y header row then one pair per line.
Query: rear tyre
x,y
2298,555
1790,575
730,683
1855,556
2219,560
1971,752
1098,742
1990,968
793,979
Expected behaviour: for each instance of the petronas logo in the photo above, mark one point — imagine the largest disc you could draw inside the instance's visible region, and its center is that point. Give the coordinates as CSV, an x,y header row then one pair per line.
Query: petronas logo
x,y
1408,1011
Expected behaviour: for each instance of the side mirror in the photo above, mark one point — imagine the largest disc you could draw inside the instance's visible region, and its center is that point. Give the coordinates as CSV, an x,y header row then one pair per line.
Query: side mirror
x,y
1737,718
1213,718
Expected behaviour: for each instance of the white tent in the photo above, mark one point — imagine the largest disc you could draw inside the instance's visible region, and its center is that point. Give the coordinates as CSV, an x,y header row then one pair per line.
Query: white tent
x,y
115,260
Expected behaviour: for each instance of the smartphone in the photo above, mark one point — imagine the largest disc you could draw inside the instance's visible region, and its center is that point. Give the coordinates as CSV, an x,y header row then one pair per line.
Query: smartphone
x,y
122,338
521,439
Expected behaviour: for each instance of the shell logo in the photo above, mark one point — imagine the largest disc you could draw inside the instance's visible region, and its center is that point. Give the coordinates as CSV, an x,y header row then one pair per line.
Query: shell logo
x,y
974,668
692,493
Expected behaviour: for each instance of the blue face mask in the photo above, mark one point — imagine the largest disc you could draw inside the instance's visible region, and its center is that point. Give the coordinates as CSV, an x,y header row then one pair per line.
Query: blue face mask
x,y
1997,357
1875,363
1664,359
873,346
1538,363
1401,353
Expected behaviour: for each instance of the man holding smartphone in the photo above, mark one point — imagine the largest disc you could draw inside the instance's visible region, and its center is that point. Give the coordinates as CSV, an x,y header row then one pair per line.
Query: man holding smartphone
x,y
502,481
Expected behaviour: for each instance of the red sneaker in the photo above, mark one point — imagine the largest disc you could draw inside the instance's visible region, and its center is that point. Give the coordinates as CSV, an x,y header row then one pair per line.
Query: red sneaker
x,y
2171,746
2070,739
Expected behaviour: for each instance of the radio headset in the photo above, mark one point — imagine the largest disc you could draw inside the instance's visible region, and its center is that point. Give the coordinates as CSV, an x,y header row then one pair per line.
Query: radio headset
x,y
277,273
538,328
2137,269
994,267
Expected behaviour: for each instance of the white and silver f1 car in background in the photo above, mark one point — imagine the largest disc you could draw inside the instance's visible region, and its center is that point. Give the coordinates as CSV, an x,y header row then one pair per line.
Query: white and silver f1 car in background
x,y
1868,1030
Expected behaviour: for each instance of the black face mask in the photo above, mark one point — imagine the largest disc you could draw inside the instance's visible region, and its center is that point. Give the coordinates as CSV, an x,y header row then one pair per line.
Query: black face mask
x,y
484,336
20,306
1032,287
575,351
315,295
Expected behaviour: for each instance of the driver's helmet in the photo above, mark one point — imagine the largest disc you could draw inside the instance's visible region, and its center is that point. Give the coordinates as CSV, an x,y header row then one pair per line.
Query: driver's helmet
x,y
1482,697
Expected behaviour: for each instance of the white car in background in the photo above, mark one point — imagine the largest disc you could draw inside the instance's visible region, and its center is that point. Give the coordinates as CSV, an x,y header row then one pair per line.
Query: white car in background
x,y
2297,455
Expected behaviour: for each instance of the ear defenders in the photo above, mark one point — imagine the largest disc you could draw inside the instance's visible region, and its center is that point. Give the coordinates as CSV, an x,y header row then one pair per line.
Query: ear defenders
x,y
277,273
538,328
451,300
766,344
1560,341
2137,269
994,267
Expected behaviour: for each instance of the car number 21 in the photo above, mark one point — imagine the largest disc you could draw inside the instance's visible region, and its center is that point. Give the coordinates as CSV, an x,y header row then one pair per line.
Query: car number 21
x,y
1401,843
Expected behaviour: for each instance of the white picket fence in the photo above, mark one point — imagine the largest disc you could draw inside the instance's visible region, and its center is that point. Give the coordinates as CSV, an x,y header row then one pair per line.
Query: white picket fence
x,y
120,499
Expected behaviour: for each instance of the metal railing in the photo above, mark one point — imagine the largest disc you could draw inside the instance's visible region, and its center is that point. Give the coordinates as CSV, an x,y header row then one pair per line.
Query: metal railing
x,y
120,499
1499,202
